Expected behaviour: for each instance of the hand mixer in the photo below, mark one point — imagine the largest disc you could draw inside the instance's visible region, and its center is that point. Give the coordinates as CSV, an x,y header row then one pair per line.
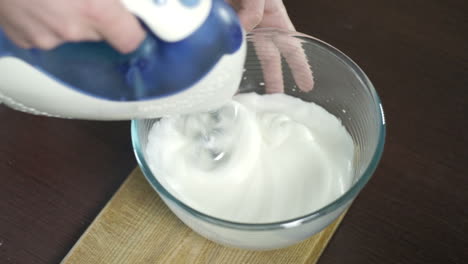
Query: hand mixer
x,y
191,60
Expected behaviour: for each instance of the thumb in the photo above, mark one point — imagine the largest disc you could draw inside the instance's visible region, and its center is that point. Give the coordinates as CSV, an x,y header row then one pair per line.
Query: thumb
x,y
121,28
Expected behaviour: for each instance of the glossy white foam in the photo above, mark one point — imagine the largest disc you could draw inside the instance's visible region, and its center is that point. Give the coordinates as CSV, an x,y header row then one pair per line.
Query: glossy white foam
x,y
259,159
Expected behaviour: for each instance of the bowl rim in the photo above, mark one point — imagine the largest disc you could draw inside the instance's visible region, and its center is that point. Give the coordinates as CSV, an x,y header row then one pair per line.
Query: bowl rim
x,y
348,196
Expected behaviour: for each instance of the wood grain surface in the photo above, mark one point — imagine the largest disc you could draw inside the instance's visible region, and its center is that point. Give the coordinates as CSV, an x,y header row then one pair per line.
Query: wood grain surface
x,y
137,227
56,175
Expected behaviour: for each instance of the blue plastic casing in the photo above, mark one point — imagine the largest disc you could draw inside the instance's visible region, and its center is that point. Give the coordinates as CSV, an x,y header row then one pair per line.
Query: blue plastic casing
x,y
156,69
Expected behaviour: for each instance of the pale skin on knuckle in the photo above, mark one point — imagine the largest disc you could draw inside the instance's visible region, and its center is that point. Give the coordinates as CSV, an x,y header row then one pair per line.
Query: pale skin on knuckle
x,y
125,32
121,42
126,47
106,17
276,15
19,40
257,16
71,32
252,18
23,44
45,42
250,12
95,11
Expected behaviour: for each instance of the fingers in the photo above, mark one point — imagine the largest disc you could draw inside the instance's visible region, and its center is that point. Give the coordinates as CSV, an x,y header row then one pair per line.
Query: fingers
x,y
250,12
72,31
48,23
262,13
293,52
276,16
272,13
31,34
18,39
119,27
269,51
270,59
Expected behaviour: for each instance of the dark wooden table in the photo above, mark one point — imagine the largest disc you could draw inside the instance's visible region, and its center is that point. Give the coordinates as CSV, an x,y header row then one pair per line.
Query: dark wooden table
x,y
56,175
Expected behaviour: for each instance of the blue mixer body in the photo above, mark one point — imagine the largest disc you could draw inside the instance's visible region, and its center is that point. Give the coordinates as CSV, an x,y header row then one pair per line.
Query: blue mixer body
x,y
156,69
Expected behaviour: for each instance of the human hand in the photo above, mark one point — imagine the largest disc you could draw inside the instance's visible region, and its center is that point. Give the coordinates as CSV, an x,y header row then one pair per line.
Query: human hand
x,y
46,24
272,13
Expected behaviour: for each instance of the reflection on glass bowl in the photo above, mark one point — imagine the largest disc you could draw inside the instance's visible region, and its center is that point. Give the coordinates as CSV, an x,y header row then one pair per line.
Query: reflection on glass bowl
x,y
301,66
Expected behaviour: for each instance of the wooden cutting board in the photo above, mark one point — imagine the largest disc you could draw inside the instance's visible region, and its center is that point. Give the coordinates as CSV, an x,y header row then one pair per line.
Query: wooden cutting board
x,y
137,227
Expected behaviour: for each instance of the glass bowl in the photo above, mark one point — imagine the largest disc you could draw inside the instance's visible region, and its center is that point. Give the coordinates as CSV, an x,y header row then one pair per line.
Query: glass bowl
x,y
283,61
